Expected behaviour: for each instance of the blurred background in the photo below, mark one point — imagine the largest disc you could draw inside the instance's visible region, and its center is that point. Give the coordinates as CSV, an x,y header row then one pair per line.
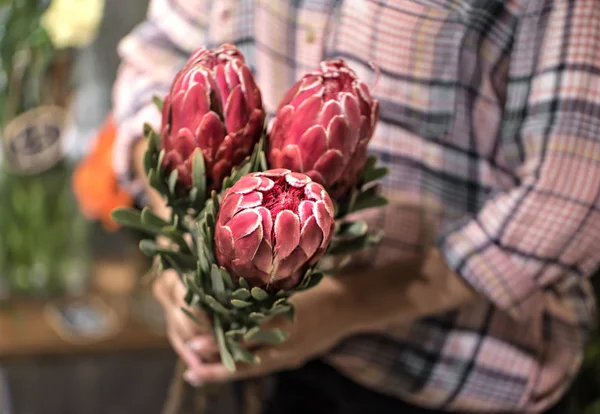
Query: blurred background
x,y
79,330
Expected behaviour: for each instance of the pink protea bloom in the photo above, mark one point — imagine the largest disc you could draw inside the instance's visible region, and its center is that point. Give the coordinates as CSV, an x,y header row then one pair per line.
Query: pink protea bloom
x,y
214,105
323,126
272,226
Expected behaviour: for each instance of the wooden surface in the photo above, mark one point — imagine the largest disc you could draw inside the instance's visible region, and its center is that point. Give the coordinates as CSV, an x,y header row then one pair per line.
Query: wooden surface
x,y
24,331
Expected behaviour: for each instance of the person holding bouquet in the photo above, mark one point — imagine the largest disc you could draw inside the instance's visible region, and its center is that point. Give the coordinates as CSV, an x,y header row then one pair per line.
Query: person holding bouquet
x,y
477,298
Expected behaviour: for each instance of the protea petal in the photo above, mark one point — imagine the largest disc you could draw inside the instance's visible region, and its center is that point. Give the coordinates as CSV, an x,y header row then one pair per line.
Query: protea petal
x,y
290,264
237,110
229,207
244,223
247,246
311,237
313,144
253,199
287,233
330,165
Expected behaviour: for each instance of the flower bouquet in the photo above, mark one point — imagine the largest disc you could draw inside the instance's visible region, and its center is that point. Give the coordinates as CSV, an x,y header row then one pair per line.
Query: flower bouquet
x,y
257,215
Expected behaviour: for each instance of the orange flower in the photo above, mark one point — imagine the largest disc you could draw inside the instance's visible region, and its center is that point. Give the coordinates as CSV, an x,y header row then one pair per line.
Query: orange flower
x,y
94,182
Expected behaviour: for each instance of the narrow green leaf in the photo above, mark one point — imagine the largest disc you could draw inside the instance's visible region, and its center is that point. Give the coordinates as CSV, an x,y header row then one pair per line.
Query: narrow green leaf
x,y
251,332
158,102
370,164
148,164
129,217
153,141
210,220
148,247
215,201
196,286
161,156
189,297
226,278
193,195
148,218
193,317
232,333
217,282
241,294
353,229
240,304
215,305
242,282
256,317
259,294
226,357
241,354
375,174
270,337
199,176
172,181
262,162
368,199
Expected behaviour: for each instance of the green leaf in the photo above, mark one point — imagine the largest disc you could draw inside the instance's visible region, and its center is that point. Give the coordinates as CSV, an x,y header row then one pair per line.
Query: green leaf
x,y
242,354
232,333
241,294
369,199
193,195
148,164
193,317
155,182
259,294
240,304
153,138
148,247
370,163
353,229
226,278
375,174
158,102
172,181
148,218
270,337
226,357
189,297
129,217
199,177
217,282
242,282
215,305
161,156
256,317
192,285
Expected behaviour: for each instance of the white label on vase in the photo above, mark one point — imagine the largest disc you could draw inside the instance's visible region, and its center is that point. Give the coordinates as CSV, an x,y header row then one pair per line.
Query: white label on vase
x,y
32,142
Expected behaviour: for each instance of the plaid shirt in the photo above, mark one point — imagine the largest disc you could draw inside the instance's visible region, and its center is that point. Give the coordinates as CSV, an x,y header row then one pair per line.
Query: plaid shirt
x,y
490,123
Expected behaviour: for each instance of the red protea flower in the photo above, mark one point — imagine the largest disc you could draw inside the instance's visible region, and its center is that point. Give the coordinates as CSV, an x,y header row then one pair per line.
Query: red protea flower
x,y
323,126
272,226
215,105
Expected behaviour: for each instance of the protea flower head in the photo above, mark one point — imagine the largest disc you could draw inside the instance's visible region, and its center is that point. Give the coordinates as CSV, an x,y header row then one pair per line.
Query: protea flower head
x,y
323,126
214,105
272,226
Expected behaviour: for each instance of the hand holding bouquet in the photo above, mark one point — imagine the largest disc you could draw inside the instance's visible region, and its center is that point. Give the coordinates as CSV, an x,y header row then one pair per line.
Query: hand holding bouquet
x,y
253,214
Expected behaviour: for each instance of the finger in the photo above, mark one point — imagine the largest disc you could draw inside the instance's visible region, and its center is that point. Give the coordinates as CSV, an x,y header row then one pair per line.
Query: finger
x,y
205,347
191,360
163,286
270,360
